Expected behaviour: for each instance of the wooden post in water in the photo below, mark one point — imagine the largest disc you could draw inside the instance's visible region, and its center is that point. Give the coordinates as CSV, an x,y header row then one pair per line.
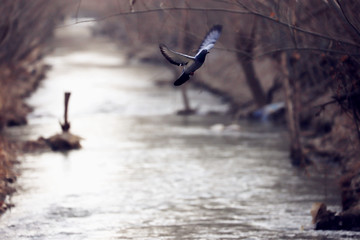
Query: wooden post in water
x,y
185,97
64,141
66,126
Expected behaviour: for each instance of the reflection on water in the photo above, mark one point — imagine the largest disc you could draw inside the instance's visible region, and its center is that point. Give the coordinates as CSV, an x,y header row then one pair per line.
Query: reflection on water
x,y
144,173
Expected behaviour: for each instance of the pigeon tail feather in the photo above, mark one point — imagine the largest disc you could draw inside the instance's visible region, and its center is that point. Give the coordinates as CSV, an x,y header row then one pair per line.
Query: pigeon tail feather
x,y
182,79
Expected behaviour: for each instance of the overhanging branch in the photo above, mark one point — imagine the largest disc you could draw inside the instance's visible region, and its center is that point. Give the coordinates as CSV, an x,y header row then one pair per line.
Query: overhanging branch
x,y
248,12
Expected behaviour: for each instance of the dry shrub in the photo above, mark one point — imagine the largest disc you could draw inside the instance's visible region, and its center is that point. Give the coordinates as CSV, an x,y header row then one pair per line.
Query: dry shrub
x,y
25,28
7,174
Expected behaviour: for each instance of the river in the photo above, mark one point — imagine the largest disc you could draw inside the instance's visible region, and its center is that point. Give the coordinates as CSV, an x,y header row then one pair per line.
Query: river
x,y
144,172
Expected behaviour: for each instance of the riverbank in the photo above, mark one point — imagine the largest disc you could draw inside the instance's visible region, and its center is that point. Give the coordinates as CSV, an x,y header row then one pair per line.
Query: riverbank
x,y
23,40
7,174
14,111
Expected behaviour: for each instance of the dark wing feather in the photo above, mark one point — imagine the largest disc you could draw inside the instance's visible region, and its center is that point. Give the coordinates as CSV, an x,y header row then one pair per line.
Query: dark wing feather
x,y
182,79
210,39
175,57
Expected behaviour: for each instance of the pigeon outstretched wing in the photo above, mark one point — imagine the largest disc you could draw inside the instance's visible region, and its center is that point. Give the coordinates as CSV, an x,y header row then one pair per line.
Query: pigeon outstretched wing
x,y
175,57
210,38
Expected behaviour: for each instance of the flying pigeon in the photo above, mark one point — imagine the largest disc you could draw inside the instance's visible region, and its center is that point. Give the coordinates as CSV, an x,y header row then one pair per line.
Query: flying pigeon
x,y
190,63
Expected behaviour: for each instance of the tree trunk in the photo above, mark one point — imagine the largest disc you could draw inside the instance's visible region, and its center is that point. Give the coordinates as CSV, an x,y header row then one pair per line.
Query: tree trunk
x,y
292,106
253,83
246,44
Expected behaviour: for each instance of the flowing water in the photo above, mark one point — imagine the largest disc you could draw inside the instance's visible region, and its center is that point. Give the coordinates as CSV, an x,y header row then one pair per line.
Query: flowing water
x,y
146,173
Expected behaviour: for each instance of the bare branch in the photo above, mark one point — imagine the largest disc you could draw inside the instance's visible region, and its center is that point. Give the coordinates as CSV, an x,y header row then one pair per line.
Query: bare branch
x,y
248,12
336,6
77,10
307,49
301,49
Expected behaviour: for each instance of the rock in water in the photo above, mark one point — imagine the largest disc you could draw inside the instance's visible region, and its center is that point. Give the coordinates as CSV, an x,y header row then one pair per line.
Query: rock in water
x,y
325,219
64,141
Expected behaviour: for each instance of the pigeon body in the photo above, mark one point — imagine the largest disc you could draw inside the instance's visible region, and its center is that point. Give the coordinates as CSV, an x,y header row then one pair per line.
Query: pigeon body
x,y
190,63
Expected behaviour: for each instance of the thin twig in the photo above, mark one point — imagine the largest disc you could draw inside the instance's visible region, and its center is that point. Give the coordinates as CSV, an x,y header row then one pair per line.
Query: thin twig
x,y
306,49
323,106
77,10
263,54
249,12
346,19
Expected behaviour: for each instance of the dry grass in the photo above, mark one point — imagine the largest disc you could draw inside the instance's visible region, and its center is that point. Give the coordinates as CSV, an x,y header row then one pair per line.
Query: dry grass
x,y
7,173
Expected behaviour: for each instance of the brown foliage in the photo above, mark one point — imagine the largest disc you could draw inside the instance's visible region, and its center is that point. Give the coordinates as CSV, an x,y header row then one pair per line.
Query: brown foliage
x,y
25,27
7,175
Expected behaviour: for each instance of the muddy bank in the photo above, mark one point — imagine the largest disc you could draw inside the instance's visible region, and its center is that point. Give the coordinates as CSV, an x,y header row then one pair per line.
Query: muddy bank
x,y
7,173
14,111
